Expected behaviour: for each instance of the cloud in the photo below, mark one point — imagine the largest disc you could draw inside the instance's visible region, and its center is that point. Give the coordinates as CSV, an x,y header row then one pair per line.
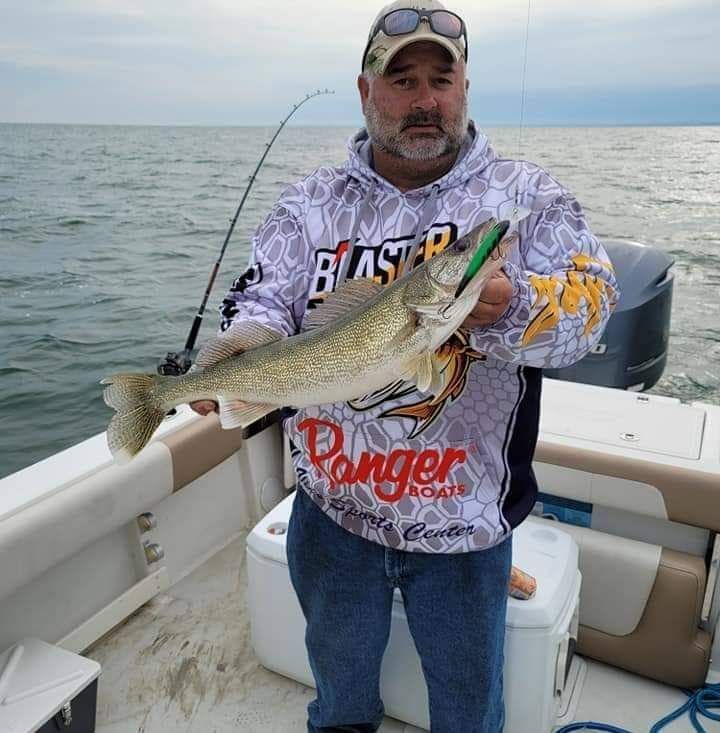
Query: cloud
x,y
246,62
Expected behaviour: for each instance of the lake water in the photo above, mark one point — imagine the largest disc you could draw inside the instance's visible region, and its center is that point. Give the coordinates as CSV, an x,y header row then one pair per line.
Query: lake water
x,y
108,235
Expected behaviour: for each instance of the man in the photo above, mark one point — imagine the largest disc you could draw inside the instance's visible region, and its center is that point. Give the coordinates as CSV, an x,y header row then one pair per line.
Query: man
x,y
398,489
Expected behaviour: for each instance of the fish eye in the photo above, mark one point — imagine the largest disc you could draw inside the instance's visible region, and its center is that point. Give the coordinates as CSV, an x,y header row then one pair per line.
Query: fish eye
x,y
461,244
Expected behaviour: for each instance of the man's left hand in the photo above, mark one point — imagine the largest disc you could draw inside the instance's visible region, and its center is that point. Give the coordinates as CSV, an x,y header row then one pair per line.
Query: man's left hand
x,y
493,302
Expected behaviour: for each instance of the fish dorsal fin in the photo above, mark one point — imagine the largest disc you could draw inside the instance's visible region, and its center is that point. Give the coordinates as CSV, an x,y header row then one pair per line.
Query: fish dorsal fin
x,y
239,338
351,294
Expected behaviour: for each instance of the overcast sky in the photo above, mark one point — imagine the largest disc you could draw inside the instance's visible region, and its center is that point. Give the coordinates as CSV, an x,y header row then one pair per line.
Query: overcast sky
x,y
243,62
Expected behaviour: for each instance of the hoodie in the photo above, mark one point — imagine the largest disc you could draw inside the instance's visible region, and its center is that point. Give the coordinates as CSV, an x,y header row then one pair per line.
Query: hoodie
x,y
453,472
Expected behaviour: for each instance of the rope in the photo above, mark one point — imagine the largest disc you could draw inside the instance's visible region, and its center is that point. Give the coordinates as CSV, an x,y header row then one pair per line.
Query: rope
x,y
700,702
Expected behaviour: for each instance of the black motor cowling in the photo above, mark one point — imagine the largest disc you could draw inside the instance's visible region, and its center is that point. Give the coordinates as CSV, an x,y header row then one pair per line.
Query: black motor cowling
x,y
632,351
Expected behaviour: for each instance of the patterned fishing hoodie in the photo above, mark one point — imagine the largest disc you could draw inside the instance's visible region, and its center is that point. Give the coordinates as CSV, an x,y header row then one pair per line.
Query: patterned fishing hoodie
x,y
411,471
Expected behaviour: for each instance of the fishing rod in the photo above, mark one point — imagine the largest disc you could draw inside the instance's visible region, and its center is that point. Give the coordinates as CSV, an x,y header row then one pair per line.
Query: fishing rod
x,y
518,211
177,363
513,211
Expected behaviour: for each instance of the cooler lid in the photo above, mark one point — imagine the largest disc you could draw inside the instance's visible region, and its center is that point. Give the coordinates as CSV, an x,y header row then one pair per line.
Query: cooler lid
x,y
621,419
551,557
268,536
36,680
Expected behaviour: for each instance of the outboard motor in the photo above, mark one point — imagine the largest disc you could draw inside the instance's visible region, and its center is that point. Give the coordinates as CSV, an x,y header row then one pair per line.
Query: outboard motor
x,y
632,351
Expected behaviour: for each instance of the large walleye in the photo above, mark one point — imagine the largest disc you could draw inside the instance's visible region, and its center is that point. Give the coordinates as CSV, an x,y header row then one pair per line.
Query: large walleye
x,y
361,338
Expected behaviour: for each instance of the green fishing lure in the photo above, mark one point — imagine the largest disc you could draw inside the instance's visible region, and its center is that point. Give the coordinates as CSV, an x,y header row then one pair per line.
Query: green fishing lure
x,y
487,246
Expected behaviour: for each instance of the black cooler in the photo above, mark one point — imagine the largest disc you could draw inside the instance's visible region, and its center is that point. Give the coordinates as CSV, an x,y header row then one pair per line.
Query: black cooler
x,y
46,688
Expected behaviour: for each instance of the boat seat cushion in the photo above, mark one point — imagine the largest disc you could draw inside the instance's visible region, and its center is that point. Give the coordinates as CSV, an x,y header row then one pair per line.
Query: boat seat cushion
x,y
667,644
608,563
640,607
200,446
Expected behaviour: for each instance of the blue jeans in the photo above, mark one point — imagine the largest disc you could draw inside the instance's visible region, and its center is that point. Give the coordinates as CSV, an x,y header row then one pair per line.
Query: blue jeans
x,y
455,606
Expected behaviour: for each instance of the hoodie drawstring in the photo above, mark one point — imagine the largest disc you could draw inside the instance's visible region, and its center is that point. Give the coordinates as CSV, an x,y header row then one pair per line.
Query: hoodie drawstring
x,y
428,210
345,264
425,218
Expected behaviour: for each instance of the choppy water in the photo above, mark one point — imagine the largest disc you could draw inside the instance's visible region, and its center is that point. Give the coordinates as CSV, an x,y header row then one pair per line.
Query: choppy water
x,y
108,234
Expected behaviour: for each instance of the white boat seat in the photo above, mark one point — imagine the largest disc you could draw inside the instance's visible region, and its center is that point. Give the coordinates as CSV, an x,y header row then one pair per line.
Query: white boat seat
x,y
608,563
640,607
647,454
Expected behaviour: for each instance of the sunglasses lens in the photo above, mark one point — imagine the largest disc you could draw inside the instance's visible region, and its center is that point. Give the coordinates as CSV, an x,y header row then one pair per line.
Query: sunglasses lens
x,y
400,22
446,24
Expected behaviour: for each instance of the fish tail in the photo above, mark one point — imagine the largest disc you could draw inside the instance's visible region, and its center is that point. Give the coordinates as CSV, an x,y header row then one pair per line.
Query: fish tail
x,y
139,410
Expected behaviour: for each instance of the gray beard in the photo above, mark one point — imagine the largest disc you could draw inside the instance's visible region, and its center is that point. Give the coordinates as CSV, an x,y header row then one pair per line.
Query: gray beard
x,y
388,136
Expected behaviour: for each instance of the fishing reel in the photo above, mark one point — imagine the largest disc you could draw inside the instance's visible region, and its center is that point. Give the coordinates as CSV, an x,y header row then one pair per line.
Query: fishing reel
x,y
175,363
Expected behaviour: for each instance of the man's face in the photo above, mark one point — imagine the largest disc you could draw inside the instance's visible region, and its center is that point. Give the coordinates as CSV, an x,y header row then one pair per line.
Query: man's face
x,y
418,109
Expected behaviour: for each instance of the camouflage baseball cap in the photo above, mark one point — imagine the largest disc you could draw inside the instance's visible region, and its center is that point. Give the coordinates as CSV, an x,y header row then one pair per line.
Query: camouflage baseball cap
x,y
408,21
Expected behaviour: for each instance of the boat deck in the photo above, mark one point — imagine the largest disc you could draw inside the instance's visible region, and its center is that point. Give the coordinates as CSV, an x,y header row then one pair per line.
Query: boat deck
x,y
184,663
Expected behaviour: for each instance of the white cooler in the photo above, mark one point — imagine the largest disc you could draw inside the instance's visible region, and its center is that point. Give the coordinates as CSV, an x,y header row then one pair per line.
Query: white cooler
x,y
538,632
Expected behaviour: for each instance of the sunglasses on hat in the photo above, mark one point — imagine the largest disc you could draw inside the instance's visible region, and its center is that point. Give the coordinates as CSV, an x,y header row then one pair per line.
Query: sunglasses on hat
x,y
406,20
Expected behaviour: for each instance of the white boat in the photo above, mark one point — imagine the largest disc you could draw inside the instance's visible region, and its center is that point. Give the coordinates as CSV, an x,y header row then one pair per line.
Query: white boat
x,y
143,569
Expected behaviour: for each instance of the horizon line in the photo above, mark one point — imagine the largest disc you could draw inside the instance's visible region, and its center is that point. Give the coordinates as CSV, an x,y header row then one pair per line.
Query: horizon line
x,y
648,123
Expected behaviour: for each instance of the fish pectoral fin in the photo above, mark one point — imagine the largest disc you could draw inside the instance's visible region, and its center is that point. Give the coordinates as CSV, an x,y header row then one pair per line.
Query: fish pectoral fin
x,y
239,414
351,294
427,373
423,373
437,383
240,337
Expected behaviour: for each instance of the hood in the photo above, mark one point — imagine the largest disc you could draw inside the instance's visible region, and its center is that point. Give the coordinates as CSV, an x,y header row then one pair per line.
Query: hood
x,y
474,156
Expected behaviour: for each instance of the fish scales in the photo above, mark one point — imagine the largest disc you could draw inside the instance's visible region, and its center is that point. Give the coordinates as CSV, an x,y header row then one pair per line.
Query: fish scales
x,y
362,339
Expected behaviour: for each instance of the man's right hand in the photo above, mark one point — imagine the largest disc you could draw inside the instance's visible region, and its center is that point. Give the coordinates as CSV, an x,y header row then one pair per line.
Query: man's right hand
x,y
204,407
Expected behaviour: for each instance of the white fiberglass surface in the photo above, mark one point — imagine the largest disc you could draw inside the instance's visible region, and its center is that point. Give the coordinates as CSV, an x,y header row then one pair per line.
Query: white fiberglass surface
x,y
184,662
